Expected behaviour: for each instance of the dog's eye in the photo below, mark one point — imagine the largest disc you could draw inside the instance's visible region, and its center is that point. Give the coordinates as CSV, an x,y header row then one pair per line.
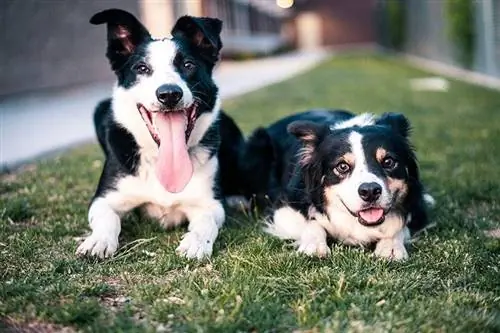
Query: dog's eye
x,y
189,65
389,163
342,168
142,68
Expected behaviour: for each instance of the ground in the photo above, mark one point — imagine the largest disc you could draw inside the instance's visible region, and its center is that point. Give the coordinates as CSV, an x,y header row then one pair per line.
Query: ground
x,y
451,283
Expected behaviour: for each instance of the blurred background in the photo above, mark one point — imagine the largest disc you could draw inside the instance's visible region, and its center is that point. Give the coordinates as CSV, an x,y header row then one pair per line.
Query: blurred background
x,y
54,70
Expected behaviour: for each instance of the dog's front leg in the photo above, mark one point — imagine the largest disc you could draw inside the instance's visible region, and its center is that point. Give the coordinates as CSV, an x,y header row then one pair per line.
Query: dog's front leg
x,y
204,224
104,219
393,248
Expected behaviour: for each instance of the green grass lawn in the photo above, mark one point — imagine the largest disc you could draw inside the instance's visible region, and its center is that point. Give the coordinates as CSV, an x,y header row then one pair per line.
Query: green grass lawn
x,y
451,283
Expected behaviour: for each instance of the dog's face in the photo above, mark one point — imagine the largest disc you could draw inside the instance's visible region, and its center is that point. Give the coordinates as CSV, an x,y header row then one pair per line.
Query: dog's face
x,y
365,171
167,81
164,75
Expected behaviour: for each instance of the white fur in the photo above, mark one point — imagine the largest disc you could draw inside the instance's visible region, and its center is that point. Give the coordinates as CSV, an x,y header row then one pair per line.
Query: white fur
x,y
393,248
309,236
429,200
160,56
364,119
105,224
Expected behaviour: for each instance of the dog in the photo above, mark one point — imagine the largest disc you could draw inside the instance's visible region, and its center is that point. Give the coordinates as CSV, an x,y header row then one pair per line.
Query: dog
x,y
353,178
161,133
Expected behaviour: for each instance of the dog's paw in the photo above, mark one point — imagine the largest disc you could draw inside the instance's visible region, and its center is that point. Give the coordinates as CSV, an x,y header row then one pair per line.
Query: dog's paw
x,y
193,246
314,249
389,249
98,246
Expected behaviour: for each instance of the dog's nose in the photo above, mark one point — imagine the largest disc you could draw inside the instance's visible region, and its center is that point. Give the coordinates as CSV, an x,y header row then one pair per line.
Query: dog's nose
x,y
370,192
169,95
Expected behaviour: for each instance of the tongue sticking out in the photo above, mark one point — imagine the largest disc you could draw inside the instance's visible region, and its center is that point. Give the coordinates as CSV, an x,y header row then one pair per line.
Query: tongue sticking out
x,y
371,215
173,168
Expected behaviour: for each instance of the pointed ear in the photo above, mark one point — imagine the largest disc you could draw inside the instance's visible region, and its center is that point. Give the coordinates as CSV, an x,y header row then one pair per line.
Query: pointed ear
x,y
311,134
396,121
202,32
125,33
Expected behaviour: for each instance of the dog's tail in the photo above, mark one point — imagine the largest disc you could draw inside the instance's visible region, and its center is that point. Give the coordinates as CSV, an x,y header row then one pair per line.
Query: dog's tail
x,y
287,223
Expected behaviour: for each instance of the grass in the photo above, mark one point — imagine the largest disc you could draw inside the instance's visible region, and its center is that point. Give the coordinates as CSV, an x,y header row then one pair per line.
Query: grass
x,y
451,283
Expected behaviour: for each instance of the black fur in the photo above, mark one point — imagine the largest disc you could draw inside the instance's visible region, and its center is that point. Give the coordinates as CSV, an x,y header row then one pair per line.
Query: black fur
x,y
265,159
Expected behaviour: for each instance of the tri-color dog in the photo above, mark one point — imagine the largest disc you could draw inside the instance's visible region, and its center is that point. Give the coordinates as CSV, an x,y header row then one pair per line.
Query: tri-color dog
x,y
354,178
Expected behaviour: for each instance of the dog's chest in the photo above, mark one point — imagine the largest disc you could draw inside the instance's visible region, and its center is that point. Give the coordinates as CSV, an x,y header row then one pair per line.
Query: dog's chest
x,y
345,228
147,189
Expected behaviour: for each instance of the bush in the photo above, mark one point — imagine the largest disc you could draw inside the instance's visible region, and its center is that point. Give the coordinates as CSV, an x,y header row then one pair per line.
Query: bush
x,y
461,29
397,23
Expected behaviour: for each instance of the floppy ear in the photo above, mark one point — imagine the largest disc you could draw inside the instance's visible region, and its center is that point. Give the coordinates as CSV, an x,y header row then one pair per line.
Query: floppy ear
x,y
310,134
125,33
202,32
396,121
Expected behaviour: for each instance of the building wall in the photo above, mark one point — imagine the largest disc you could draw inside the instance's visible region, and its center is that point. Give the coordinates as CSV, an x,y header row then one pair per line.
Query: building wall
x,y
46,44
343,21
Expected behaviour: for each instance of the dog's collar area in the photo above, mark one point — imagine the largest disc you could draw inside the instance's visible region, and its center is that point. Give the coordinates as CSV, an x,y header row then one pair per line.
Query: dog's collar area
x,y
149,119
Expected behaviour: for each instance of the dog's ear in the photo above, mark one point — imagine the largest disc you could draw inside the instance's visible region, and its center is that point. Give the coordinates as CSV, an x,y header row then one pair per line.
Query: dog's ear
x,y
396,121
125,33
202,32
310,134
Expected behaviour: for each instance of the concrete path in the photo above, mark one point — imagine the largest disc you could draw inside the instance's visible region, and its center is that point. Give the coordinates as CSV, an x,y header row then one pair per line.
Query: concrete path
x,y
34,124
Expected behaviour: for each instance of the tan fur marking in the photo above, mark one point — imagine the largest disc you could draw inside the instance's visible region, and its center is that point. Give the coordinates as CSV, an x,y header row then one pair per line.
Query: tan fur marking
x,y
167,217
399,186
305,154
380,154
392,225
350,158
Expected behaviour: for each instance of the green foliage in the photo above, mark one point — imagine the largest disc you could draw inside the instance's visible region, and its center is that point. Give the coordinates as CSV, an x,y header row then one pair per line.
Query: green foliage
x,y
396,13
461,28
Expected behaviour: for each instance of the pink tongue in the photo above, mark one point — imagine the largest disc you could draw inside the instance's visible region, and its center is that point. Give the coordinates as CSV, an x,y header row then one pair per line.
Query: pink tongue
x,y
371,215
173,168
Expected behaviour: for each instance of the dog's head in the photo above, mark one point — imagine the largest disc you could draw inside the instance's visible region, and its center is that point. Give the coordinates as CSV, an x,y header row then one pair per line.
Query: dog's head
x,y
366,171
167,81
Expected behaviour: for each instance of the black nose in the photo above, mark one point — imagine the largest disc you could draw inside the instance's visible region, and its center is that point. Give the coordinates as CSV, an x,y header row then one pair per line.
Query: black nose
x,y
370,192
169,95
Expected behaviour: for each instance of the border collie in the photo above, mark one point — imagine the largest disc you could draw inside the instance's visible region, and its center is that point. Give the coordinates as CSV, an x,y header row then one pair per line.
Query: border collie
x,y
160,133
354,178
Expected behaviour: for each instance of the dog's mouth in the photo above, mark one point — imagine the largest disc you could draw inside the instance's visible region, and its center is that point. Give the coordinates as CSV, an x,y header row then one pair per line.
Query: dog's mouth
x,y
370,216
171,131
152,118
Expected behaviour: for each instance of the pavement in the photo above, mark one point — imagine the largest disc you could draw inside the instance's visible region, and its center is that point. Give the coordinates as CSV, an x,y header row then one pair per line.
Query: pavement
x,y
35,124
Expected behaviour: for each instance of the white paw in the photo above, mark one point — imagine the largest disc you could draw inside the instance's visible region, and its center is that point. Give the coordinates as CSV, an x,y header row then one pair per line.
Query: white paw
x,y
193,246
98,246
391,250
314,249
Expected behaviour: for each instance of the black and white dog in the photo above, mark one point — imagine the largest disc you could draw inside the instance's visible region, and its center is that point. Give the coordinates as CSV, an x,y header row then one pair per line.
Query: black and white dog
x,y
354,178
160,133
